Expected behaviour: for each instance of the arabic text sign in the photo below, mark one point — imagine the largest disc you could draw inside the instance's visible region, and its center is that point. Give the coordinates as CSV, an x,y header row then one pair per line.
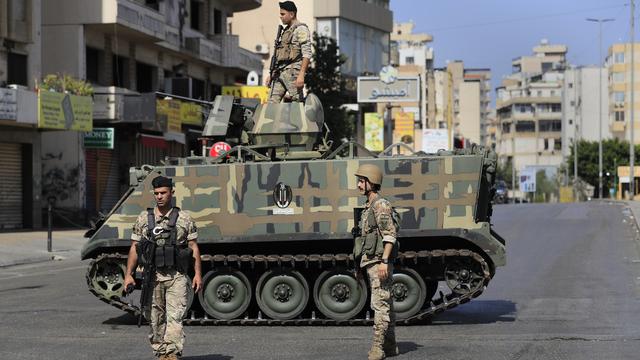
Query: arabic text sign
x,y
246,91
373,90
434,140
64,111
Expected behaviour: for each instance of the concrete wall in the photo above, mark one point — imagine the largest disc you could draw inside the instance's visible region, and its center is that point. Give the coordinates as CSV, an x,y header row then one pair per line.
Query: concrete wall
x,y
63,168
64,50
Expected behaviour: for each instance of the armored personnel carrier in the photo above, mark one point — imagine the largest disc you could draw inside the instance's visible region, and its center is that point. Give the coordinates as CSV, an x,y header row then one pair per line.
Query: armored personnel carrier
x,y
275,214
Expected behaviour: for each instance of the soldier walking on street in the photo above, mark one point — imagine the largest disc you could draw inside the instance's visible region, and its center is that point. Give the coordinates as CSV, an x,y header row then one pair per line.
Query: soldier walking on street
x,y
291,56
174,236
377,248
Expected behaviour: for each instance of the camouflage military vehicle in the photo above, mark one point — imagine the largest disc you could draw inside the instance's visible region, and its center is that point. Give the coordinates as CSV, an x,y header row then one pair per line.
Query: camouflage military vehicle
x,y
275,215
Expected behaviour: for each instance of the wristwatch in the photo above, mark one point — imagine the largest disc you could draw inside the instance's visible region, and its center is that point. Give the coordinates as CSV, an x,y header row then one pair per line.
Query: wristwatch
x,y
385,261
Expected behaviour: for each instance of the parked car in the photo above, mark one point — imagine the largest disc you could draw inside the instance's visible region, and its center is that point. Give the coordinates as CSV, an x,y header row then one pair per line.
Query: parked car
x,y
501,193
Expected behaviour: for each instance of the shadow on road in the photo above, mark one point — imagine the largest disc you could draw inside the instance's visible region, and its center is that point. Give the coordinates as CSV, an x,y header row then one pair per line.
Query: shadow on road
x,y
208,357
124,319
407,346
478,312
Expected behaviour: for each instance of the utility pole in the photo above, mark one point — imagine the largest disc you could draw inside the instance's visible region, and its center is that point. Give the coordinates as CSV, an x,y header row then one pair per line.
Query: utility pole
x,y
632,153
600,65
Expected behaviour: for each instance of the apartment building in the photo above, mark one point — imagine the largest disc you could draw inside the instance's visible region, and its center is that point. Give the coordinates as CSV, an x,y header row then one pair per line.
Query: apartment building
x,y
618,64
360,27
462,101
580,106
20,63
128,50
529,109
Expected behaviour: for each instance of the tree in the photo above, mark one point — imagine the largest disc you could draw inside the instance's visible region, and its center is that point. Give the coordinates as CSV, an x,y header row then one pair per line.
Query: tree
x,y
326,82
614,153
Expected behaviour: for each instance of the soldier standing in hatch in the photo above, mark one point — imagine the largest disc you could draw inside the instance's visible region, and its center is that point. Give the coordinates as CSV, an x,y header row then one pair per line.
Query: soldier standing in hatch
x,y
378,239
169,298
292,55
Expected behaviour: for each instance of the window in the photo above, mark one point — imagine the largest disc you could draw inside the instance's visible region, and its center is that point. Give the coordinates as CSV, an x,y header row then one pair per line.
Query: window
x,y
618,58
539,93
556,107
618,96
619,115
409,60
17,69
546,144
618,77
145,77
506,128
217,21
553,93
557,144
120,71
154,4
570,85
525,126
195,15
550,125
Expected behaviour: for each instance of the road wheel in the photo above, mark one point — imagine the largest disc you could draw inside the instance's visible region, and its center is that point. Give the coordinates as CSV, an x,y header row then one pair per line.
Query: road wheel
x,y
408,291
463,275
226,294
338,295
282,294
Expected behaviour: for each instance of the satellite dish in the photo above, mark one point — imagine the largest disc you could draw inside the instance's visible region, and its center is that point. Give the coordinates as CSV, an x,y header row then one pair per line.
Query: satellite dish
x,y
252,78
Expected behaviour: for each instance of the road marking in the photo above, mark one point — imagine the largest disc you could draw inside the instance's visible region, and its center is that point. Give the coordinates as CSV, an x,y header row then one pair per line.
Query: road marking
x,y
13,275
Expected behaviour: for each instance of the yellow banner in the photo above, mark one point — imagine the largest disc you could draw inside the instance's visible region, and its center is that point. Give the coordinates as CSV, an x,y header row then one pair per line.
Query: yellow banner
x,y
170,110
246,91
566,194
373,132
404,129
64,111
191,113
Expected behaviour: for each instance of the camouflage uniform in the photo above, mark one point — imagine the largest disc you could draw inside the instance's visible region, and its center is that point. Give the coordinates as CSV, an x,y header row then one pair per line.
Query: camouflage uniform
x,y
169,300
285,79
381,300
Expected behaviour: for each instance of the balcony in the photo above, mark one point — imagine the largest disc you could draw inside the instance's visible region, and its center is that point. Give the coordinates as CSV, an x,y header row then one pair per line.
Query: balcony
x,y
118,105
358,11
236,57
131,15
618,126
204,49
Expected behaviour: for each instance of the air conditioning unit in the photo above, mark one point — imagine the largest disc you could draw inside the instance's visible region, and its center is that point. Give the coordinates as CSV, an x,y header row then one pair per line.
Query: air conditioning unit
x,y
262,49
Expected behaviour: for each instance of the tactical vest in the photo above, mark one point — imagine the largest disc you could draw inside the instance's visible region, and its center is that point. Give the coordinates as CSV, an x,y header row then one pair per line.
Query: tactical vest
x,y
370,242
169,254
286,53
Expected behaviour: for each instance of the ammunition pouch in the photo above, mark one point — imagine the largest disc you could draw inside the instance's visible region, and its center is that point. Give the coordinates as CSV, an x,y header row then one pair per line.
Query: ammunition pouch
x,y
169,254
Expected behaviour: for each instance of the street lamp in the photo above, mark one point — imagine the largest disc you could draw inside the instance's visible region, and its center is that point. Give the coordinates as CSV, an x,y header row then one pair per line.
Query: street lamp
x,y
600,65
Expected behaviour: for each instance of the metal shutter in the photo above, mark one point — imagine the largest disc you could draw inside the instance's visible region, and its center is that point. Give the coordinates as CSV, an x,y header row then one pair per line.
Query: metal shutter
x,y
11,186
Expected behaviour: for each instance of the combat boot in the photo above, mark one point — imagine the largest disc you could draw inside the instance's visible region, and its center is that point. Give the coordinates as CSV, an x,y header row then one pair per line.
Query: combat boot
x,y
376,353
390,347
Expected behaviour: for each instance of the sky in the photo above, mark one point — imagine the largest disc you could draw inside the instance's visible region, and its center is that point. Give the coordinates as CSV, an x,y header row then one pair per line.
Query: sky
x,y
491,33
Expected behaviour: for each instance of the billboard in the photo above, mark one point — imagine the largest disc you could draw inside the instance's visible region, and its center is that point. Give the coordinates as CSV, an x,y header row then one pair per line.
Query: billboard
x,y
373,132
246,91
434,140
528,180
64,111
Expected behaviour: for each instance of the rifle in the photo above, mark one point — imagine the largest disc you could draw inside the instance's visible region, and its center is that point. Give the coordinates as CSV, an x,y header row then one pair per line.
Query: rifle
x,y
147,256
272,66
356,231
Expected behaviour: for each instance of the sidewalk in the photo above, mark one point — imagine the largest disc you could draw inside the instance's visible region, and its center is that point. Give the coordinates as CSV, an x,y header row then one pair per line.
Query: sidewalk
x,y
26,247
634,206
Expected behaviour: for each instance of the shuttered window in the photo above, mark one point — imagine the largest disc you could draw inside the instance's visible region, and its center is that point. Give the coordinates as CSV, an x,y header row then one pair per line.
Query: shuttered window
x,y
11,191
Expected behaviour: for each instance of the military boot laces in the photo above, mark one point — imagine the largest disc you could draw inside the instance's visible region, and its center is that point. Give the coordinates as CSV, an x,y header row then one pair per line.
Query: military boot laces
x,y
376,353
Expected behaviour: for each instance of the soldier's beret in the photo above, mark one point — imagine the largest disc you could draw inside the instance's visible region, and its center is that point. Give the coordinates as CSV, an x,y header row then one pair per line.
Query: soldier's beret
x,y
288,5
161,181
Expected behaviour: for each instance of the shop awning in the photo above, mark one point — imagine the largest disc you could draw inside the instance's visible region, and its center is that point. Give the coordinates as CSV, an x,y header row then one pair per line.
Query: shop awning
x,y
153,141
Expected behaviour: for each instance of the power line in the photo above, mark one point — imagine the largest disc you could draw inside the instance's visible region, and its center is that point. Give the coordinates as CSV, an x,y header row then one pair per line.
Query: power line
x,y
508,21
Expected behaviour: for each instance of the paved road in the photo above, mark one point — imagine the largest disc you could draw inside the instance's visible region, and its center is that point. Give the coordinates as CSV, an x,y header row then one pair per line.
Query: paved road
x,y
570,291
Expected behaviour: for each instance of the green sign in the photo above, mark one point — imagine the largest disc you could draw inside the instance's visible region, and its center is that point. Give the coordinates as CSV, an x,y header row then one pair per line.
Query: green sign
x,y
99,138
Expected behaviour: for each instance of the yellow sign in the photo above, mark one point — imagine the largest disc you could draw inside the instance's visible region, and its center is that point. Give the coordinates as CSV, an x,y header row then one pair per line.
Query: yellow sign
x,y
566,194
191,113
170,110
64,111
246,91
403,129
373,132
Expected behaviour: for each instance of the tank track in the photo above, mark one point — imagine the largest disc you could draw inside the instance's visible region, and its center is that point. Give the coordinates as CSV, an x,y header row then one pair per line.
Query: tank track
x,y
435,305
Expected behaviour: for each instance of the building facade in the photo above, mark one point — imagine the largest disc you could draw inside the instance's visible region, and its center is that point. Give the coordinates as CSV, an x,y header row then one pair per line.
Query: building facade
x,y
529,109
463,102
618,64
20,145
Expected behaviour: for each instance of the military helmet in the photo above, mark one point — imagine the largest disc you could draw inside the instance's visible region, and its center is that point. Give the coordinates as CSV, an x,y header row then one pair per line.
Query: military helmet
x,y
371,172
